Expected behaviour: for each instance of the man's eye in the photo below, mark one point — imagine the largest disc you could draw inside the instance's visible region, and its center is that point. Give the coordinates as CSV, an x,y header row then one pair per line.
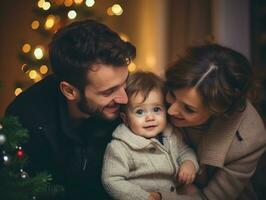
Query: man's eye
x,y
108,93
157,109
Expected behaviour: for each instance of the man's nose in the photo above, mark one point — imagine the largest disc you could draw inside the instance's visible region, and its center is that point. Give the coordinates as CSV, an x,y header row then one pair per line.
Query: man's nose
x,y
121,96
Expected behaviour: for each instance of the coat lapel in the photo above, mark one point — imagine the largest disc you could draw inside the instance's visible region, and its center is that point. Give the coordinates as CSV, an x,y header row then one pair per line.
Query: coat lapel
x,y
215,143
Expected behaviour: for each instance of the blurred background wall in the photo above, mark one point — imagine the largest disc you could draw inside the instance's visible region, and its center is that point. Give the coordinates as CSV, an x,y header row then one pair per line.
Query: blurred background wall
x,y
160,29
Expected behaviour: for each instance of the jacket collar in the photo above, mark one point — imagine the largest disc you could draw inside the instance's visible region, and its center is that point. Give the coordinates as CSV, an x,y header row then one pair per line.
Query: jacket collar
x,y
215,143
137,142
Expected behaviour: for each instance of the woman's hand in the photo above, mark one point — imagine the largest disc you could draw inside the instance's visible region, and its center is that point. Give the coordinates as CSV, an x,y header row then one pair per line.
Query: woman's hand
x,y
187,172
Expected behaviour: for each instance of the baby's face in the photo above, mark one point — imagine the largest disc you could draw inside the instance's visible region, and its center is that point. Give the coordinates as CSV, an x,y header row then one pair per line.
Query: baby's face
x,y
146,118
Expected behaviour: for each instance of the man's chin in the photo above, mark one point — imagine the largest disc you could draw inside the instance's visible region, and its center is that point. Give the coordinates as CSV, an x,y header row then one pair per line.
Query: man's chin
x,y
110,116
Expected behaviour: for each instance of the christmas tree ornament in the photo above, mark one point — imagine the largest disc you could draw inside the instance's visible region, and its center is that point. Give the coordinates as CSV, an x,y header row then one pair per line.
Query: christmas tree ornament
x,y
24,175
20,153
1,126
2,139
6,159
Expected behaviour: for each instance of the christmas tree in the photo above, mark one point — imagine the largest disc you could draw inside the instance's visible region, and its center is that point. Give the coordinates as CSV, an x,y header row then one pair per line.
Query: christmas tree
x,y
16,183
50,16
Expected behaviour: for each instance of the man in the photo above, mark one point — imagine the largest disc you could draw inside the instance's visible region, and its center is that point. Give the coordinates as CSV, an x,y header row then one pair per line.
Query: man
x,y
71,114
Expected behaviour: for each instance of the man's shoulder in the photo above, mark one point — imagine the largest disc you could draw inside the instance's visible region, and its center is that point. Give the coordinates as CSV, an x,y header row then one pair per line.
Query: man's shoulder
x,y
37,97
37,104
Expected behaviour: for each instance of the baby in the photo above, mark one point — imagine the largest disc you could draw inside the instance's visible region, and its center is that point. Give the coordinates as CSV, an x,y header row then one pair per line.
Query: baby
x,y
147,158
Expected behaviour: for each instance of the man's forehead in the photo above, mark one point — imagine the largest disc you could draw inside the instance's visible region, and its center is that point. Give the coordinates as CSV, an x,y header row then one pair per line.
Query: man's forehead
x,y
104,77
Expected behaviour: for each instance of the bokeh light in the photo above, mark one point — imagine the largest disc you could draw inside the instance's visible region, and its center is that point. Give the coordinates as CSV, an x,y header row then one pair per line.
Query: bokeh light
x,y
117,9
17,91
43,69
72,14
38,53
26,48
132,67
35,24
32,74
90,3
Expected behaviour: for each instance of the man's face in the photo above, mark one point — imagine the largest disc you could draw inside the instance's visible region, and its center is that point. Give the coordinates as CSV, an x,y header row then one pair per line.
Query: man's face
x,y
105,92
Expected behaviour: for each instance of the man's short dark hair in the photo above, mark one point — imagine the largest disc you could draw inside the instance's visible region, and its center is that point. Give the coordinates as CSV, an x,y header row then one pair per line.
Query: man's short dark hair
x,y
75,48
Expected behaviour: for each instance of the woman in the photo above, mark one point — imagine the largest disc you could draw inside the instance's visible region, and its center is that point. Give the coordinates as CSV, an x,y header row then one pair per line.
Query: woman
x,y
208,96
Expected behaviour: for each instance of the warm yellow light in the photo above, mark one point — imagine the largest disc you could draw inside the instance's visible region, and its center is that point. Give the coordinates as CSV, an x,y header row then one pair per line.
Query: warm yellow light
x,y
46,5
18,91
150,60
109,11
72,14
78,1
68,3
25,68
43,69
90,3
38,78
40,3
117,9
26,48
124,37
38,53
35,24
132,67
32,74
50,21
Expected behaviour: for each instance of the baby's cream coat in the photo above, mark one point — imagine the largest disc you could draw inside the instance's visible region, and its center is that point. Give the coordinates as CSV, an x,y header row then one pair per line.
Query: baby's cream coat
x,y
134,166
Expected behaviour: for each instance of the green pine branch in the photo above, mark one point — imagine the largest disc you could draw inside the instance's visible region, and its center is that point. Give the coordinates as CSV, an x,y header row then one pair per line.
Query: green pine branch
x,y
16,184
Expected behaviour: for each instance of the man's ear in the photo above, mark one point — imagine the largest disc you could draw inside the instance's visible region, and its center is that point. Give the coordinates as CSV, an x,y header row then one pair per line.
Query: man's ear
x,y
69,91
124,118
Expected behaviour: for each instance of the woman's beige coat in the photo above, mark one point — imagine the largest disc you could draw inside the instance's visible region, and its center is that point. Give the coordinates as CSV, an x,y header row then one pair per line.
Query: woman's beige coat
x,y
228,154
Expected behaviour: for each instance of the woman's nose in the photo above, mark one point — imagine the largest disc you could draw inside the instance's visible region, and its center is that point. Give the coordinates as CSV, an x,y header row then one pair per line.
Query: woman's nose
x,y
173,109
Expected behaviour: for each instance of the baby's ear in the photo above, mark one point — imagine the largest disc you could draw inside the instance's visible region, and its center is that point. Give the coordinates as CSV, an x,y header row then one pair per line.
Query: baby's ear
x,y
124,117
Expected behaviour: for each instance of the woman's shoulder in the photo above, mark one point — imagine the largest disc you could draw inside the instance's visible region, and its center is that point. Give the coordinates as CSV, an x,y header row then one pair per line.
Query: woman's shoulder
x,y
252,121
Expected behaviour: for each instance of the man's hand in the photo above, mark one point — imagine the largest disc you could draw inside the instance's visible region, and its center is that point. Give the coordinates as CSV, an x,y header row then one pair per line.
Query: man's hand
x,y
187,172
155,196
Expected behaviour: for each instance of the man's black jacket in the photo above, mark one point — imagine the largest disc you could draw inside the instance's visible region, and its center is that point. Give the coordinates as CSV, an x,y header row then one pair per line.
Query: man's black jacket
x,y
72,156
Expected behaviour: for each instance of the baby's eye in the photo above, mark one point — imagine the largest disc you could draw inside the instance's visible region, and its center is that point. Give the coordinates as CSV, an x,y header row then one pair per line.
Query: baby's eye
x,y
157,109
139,112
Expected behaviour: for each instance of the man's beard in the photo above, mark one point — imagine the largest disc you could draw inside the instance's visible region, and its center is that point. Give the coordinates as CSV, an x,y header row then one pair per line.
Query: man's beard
x,y
89,107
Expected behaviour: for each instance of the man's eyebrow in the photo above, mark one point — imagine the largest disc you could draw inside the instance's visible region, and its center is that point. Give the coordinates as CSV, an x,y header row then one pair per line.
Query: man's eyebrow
x,y
114,87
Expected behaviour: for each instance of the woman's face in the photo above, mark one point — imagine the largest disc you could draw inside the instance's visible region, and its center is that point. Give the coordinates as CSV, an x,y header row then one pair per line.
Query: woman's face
x,y
186,108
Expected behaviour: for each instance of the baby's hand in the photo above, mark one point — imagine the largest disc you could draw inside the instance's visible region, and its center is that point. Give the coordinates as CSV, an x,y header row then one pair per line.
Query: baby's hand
x,y
155,196
187,172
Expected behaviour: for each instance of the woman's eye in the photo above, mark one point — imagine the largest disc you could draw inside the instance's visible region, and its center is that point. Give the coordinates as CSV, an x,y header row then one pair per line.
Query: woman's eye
x,y
189,110
157,109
